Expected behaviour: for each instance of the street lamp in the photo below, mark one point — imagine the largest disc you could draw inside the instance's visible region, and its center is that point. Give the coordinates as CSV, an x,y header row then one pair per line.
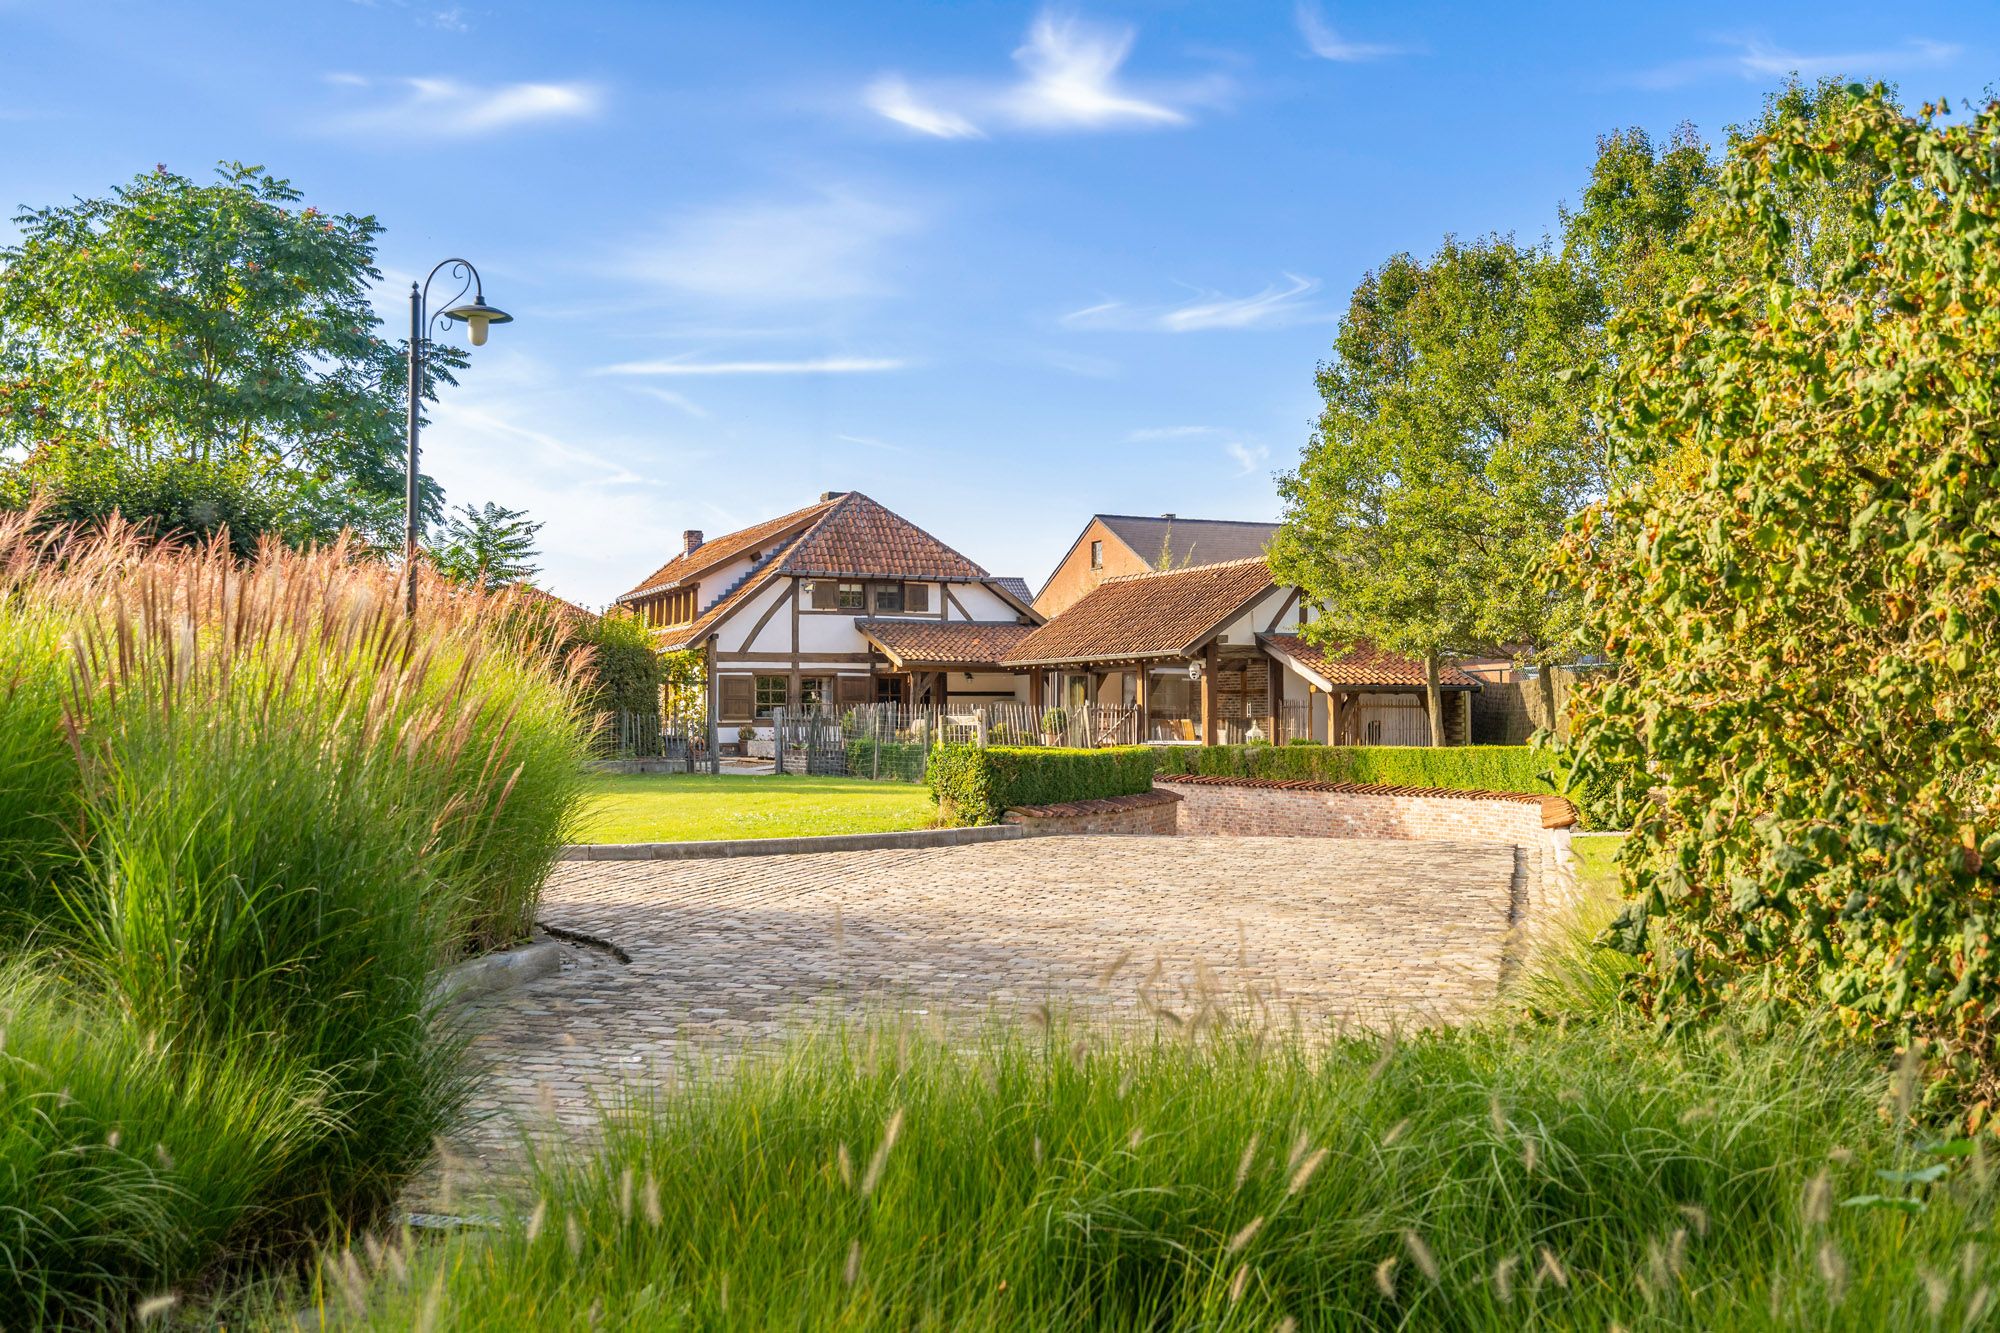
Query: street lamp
x,y
477,316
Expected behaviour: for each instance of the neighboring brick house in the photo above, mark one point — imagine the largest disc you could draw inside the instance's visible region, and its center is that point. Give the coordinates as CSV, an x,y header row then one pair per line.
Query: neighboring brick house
x,y
1112,545
1209,652
806,612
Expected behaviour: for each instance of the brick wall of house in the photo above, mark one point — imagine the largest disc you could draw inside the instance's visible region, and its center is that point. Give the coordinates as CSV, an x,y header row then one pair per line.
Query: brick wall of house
x,y
1153,812
1539,827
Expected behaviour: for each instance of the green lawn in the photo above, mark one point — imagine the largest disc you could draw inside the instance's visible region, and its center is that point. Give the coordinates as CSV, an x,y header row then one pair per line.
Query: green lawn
x,y
692,807
1597,865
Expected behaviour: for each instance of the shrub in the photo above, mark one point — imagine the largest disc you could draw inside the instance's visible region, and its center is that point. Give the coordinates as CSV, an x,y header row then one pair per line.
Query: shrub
x,y
978,786
1800,585
1452,767
1535,1177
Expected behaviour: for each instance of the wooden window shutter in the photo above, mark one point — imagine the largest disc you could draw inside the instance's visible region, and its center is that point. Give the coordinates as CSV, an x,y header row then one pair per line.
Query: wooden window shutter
x,y
916,597
855,691
736,697
826,595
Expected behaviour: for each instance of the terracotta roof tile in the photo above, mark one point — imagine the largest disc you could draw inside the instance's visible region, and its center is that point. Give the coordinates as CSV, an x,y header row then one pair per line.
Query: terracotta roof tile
x,y
848,535
858,536
1360,666
1159,614
692,564
944,642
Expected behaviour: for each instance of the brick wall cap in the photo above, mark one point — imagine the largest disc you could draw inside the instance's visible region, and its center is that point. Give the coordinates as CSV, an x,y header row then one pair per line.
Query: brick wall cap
x,y
1556,811
1101,805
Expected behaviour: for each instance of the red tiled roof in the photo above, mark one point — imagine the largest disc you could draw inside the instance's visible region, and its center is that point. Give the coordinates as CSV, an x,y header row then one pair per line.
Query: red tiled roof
x,y
692,564
860,537
1361,666
848,534
944,642
1162,614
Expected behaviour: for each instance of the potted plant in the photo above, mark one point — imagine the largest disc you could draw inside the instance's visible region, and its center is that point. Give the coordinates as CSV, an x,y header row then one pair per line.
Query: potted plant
x,y
1055,726
744,735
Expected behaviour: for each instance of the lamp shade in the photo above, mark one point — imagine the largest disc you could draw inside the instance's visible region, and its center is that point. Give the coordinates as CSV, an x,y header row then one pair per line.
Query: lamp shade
x,y
477,315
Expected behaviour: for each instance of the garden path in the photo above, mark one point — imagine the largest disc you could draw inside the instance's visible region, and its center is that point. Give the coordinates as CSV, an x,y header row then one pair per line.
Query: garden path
x,y
727,954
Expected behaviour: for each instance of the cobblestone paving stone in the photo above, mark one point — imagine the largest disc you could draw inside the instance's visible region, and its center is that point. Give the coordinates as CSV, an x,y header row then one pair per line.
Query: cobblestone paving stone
x,y
727,954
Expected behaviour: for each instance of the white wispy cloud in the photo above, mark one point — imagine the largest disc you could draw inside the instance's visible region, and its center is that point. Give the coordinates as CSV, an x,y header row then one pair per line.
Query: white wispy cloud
x,y
1753,58
1276,306
445,108
1071,79
1248,457
832,244
819,365
672,399
891,96
1324,42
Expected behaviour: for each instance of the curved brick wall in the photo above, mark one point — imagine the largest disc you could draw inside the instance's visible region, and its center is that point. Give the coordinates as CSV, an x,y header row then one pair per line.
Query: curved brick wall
x,y
1539,826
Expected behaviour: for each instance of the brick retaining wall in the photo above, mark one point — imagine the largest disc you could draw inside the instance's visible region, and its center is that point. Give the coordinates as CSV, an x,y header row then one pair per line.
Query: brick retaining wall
x,y
1539,827
1151,812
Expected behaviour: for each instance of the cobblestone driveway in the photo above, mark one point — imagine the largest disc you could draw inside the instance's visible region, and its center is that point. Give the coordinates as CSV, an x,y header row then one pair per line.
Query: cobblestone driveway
x,y
730,951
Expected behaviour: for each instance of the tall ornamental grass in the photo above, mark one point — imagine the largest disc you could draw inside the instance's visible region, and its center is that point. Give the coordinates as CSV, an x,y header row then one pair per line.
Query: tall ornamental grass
x,y
1496,1177
123,1161
284,808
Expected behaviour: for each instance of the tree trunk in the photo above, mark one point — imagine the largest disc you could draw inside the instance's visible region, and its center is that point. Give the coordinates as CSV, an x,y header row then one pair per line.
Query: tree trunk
x,y
1545,683
1434,698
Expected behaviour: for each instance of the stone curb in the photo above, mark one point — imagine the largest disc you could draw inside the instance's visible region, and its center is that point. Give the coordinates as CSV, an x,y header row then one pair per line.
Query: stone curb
x,y
837,842
499,971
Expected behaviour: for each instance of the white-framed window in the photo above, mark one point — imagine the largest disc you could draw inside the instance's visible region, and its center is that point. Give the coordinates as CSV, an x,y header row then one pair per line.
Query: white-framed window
x,y
772,693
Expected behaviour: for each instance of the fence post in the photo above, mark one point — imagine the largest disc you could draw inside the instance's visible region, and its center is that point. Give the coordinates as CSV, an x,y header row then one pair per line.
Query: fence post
x,y
875,743
777,740
979,721
714,742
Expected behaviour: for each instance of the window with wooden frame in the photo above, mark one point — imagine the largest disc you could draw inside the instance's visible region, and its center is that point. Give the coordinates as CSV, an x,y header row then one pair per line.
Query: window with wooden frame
x,y
885,598
917,598
1097,555
772,693
815,694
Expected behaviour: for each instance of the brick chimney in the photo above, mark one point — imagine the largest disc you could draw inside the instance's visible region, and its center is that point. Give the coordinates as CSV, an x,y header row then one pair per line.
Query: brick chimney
x,y
824,496
690,540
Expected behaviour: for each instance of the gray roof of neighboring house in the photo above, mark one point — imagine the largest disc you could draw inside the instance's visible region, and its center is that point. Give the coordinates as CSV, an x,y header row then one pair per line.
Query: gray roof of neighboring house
x,y
1192,541
1019,587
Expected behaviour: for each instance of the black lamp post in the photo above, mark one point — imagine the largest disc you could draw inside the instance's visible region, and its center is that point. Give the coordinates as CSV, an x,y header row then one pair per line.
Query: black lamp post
x,y
475,315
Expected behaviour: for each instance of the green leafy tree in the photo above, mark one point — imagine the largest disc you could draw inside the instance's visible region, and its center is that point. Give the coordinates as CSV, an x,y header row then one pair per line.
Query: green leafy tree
x,y
1452,448
490,545
217,325
1808,677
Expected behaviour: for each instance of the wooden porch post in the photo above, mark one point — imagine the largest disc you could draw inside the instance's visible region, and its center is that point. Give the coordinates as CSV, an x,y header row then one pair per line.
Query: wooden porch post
x,y
1144,698
1035,692
1208,659
1275,696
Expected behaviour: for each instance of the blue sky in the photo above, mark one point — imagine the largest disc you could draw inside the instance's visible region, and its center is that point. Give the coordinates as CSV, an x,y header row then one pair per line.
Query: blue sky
x,y
998,265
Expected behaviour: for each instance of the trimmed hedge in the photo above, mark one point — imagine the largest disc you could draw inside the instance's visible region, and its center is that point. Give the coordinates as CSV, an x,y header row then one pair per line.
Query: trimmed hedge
x,y
975,786
1452,767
